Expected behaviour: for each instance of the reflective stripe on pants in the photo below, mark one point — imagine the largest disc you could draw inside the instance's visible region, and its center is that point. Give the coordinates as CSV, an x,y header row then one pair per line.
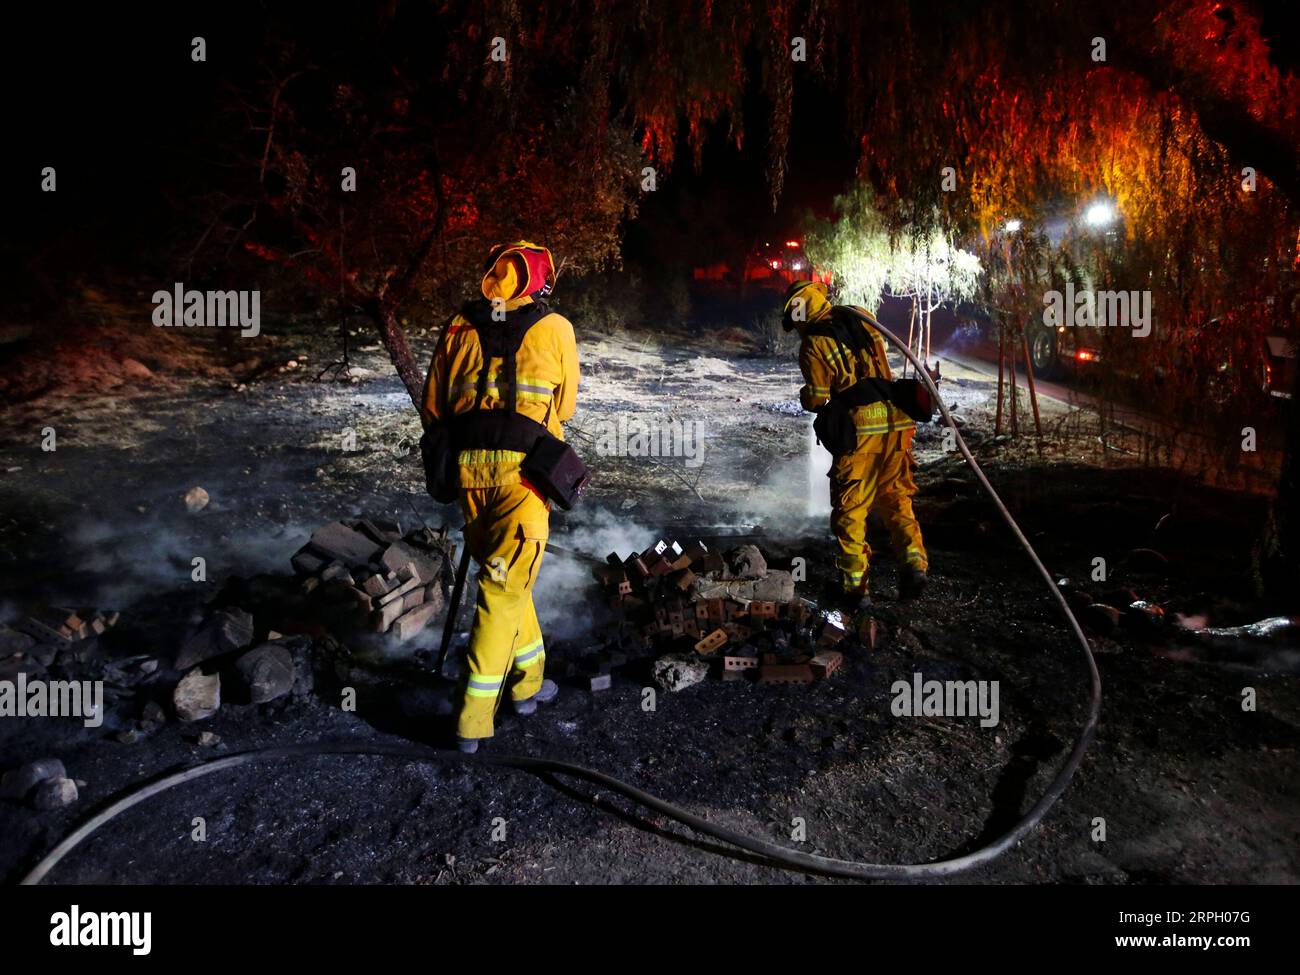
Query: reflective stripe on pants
x,y
877,476
505,529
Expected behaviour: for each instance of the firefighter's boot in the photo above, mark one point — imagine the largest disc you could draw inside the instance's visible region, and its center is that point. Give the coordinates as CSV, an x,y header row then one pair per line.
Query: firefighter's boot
x,y
911,582
547,693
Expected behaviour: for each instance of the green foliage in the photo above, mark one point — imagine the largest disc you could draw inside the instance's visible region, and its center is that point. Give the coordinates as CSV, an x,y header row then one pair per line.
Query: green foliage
x,y
854,245
866,258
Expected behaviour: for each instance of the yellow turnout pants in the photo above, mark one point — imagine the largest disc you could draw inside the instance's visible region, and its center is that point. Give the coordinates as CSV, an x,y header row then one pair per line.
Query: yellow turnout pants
x,y
506,528
877,475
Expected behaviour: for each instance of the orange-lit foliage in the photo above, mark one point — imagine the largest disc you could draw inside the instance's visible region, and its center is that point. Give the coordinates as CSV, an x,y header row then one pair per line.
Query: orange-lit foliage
x,y
551,142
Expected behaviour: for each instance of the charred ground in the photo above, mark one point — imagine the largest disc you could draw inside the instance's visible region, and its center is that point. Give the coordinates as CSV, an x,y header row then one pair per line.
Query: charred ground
x,y
1192,788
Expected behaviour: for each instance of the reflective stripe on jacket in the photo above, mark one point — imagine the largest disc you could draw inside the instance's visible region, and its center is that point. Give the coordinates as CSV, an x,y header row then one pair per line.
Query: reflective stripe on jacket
x,y
546,370
828,367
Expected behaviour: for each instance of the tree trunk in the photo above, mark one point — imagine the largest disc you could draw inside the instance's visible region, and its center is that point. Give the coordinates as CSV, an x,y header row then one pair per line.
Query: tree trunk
x,y
911,329
1033,391
1002,358
394,339
1279,548
1011,375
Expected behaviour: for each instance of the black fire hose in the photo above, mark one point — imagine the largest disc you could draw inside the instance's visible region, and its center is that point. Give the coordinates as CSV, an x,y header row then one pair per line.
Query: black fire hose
x,y
779,855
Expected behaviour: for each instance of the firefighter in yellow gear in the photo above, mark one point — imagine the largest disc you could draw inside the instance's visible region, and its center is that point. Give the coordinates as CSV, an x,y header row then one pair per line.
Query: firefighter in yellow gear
x,y
506,518
877,473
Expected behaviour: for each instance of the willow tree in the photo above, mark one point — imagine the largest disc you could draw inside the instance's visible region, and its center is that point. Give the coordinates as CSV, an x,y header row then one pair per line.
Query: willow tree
x,y
963,114
930,271
855,245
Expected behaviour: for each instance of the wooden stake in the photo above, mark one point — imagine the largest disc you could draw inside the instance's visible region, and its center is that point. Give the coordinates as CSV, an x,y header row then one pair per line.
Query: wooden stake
x,y
1033,392
1002,357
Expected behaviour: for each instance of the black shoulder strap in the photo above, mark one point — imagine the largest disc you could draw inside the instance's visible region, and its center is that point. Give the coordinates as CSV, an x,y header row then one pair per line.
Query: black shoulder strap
x,y
501,340
846,329
852,335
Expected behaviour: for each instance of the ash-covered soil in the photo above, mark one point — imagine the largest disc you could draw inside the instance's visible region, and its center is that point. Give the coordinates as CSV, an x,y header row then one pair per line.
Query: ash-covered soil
x,y
1191,787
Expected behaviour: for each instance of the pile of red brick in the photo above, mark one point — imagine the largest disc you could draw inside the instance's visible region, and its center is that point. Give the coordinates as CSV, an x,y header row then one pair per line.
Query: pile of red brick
x,y
34,642
394,582
731,610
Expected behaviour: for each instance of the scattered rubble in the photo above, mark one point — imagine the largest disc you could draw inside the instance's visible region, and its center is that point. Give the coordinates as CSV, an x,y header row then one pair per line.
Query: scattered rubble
x,y
197,696
703,611
390,582
49,635
678,671
54,794
18,783
196,499
267,672
224,632
153,713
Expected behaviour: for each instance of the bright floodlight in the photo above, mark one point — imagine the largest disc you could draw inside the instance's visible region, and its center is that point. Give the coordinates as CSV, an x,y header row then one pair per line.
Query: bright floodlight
x,y
1012,226
1099,214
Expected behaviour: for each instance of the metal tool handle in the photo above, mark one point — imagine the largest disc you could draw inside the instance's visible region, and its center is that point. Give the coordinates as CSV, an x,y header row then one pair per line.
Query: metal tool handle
x,y
454,608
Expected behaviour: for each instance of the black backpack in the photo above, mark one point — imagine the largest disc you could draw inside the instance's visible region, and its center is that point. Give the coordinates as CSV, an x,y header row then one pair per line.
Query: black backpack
x,y
550,465
834,425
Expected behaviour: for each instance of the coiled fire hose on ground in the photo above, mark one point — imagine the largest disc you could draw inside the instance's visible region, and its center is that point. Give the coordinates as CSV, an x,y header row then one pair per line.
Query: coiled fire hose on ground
x,y
777,854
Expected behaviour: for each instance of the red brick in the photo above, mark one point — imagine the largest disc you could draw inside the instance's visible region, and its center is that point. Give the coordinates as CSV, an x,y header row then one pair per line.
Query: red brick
x,y
785,674
711,642
826,663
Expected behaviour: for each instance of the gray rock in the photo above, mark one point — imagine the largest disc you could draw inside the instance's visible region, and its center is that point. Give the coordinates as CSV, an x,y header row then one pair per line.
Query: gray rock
x,y
777,587
678,671
153,713
226,631
304,678
746,562
706,588
197,696
55,794
338,542
17,783
267,672
196,499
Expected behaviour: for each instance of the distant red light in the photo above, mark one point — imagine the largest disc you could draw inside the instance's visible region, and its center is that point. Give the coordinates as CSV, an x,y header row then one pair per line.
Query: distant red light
x,y
792,243
776,265
1086,355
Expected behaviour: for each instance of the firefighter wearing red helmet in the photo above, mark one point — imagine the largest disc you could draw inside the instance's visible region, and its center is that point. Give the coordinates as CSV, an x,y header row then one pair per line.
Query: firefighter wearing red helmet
x,y
506,518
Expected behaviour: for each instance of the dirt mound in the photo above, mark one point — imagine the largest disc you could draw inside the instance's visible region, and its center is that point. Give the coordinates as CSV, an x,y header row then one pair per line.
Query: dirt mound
x,y
104,344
